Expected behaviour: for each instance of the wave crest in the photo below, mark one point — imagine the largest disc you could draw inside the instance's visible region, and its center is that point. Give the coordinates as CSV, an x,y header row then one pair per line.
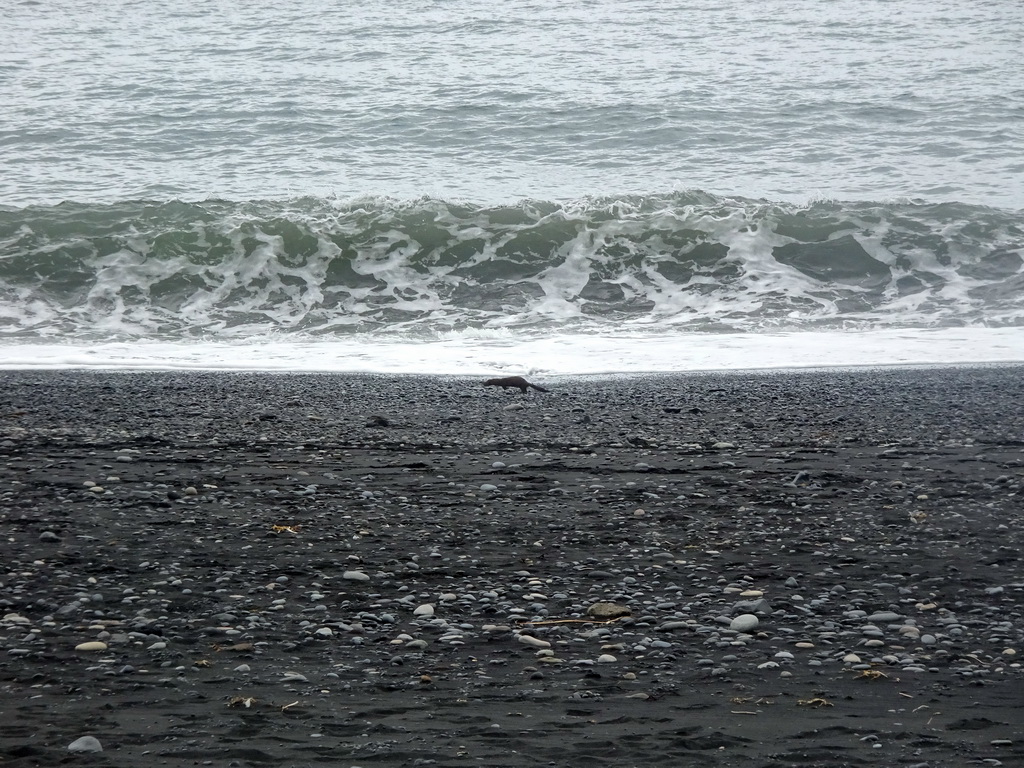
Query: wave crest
x,y
317,266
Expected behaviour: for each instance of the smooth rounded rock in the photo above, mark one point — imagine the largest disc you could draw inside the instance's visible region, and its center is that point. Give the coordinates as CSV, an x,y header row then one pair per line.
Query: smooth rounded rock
x,y
883,616
94,645
85,744
744,622
534,642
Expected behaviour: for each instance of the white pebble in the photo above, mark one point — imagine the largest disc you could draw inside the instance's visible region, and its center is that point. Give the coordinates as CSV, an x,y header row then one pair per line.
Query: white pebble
x,y
535,642
355,576
744,622
85,744
95,645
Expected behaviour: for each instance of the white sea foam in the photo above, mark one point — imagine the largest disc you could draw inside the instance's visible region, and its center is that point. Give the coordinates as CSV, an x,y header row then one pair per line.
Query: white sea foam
x,y
477,353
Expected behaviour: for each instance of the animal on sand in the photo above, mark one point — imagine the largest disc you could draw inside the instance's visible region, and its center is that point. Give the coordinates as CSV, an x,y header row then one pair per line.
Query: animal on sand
x,y
514,381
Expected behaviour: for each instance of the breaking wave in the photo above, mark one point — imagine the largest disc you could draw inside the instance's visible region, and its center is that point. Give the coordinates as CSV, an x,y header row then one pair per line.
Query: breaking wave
x,y
429,267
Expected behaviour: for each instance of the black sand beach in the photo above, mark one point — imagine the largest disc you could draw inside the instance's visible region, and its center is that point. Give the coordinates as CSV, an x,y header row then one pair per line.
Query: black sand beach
x,y
300,570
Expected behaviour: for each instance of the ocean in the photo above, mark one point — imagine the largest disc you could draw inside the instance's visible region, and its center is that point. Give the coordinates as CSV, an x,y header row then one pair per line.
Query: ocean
x,y
468,188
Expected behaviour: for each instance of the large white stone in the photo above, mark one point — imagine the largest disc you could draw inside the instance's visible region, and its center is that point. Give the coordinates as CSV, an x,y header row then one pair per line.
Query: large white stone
x,y
744,622
85,744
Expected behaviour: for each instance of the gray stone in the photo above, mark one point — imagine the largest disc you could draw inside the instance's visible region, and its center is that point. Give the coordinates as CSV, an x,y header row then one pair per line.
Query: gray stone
x,y
607,611
752,606
883,616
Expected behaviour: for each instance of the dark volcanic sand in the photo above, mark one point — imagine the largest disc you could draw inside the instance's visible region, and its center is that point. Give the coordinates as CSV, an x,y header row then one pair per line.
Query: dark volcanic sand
x,y
838,495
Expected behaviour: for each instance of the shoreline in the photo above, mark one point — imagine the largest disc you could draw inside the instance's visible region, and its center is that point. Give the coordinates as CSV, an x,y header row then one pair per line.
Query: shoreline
x,y
276,539
558,354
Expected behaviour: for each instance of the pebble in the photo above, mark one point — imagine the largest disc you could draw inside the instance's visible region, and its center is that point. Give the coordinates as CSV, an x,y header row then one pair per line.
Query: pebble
x,y
85,744
355,576
424,610
94,645
744,622
607,611
884,617
532,641
752,606
49,536
670,625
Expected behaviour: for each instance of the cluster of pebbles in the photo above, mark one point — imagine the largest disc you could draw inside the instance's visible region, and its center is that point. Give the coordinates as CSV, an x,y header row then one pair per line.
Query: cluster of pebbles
x,y
767,569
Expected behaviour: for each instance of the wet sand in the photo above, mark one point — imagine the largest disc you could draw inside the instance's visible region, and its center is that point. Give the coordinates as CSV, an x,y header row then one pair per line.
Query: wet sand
x,y
804,569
